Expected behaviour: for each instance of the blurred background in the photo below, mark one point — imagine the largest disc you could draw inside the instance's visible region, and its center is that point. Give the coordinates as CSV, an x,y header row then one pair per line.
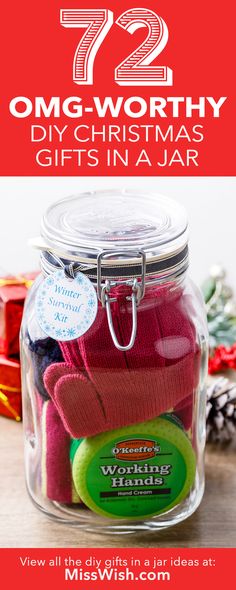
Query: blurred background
x,y
210,203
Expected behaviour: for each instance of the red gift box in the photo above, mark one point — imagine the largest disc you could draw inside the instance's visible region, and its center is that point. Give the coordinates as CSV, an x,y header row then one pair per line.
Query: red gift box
x,y
13,291
10,388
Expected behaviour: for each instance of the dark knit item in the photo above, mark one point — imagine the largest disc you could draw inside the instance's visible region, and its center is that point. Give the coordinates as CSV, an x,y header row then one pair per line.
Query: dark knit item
x,y
44,352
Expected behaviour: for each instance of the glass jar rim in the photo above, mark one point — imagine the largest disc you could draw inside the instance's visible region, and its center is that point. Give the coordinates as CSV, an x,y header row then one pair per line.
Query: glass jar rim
x,y
83,226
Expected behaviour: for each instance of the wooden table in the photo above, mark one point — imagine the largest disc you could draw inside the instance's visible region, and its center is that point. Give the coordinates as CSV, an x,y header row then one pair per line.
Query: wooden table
x,y
21,525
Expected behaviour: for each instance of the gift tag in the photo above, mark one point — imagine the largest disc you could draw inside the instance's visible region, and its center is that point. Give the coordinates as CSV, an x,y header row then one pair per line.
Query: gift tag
x,y
66,308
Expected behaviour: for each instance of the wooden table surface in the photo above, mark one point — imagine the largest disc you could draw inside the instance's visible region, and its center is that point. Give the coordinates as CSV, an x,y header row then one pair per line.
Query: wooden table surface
x,y
22,525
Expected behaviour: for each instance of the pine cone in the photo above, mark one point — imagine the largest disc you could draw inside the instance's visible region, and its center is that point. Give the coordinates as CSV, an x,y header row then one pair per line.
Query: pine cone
x,y
221,410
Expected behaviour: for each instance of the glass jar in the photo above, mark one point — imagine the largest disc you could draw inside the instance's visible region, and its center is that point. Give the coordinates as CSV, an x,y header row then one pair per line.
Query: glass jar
x,y
114,360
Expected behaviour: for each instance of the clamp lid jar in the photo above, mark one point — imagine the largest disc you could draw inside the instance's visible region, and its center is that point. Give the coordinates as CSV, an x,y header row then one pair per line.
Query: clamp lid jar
x,y
114,415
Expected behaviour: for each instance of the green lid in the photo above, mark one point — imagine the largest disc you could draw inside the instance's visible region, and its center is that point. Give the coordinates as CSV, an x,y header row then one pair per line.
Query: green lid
x,y
135,472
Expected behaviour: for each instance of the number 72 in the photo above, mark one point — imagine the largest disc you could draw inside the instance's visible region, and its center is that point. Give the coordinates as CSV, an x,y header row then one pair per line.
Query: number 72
x,y
135,70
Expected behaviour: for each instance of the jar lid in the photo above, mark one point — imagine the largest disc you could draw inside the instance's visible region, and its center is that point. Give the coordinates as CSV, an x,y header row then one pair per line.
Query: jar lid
x,y
82,226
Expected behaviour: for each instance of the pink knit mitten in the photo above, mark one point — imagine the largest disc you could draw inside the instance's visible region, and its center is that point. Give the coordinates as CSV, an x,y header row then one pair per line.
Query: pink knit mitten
x,y
56,476
76,400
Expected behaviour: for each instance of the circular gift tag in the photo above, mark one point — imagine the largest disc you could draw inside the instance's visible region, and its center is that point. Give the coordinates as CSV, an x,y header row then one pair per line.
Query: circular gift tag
x,y
66,308
135,472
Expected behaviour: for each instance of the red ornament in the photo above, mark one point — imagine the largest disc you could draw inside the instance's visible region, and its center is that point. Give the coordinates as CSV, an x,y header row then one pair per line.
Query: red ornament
x,y
223,358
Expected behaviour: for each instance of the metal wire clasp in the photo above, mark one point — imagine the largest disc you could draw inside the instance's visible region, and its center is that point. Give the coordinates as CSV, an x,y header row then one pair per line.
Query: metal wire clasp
x,y
138,291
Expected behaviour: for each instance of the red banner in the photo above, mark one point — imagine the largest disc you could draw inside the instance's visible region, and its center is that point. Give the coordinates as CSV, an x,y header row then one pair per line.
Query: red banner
x,y
111,88
117,568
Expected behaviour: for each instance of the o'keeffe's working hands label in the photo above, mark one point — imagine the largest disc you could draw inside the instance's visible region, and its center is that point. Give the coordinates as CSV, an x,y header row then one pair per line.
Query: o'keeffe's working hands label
x,y
134,472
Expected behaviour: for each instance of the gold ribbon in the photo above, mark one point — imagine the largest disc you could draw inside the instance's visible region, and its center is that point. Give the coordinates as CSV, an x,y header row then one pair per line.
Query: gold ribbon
x,y
17,280
5,401
11,389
